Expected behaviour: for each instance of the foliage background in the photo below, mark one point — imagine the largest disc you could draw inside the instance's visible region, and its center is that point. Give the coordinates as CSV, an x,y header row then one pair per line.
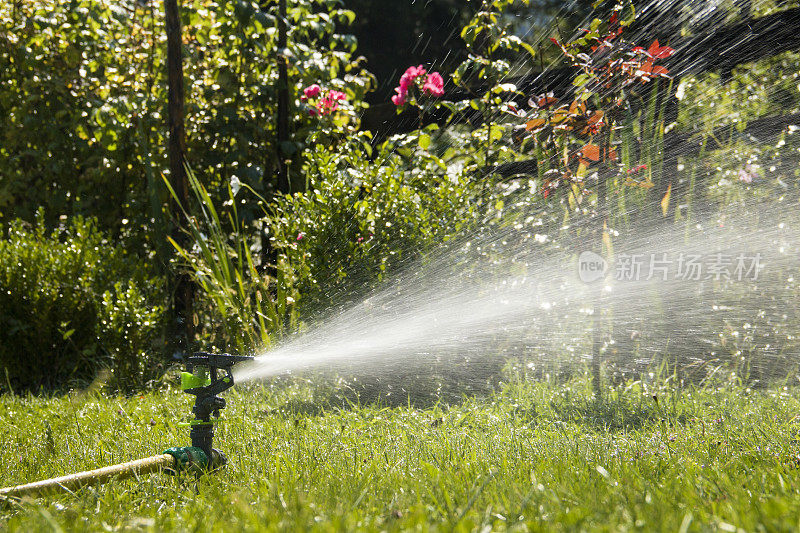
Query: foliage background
x,y
75,305
82,115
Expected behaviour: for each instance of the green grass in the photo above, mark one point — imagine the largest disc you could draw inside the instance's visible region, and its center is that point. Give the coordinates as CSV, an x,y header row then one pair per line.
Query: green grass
x,y
532,456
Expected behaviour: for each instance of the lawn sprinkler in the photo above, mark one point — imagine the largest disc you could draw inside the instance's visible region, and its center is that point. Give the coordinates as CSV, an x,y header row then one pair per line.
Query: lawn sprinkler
x,y
207,375
203,381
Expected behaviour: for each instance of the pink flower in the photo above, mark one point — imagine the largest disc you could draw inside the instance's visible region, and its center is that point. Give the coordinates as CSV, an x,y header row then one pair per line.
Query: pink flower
x,y
416,71
328,103
400,98
408,77
434,85
300,236
748,173
312,90
405,82
636,169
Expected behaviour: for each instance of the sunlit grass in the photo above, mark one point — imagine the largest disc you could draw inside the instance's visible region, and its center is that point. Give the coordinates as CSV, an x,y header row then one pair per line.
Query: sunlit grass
x,y
532,456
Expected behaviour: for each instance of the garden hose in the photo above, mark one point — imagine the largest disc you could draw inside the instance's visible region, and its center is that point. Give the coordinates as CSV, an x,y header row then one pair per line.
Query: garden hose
x,y
75,481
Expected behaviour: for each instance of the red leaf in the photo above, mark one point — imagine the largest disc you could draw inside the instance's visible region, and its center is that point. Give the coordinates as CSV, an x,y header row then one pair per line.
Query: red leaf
x,y
636,169
645,69
595,117
563,48
657,51
535,124
664,52
591,151
577,106
648,69
543,101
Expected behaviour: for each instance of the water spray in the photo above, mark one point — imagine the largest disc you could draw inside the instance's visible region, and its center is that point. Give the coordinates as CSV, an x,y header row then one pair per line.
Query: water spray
x,y
207,376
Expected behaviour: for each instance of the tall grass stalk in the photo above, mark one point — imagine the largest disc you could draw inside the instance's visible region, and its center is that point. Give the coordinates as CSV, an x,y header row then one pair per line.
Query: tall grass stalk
x,y
692,181
658,132
249,312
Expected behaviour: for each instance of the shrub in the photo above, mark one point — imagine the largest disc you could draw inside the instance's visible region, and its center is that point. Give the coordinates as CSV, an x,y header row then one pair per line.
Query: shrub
x,y
331,244
71,305
363,220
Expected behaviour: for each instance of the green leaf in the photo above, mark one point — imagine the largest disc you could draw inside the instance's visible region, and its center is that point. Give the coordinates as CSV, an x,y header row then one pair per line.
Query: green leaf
x,y
468,34
496,132
528,48
424,141
347,14
581,80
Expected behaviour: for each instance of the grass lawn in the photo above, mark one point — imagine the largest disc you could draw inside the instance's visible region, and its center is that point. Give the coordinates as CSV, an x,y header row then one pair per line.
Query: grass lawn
x,y
533,456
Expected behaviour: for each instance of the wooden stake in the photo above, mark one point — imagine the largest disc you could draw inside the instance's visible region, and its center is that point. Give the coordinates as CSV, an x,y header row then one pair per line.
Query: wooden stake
x,y
283,185
183,299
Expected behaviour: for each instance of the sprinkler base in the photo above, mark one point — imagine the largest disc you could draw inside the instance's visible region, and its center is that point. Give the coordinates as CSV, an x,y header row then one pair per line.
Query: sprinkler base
x,y
194,458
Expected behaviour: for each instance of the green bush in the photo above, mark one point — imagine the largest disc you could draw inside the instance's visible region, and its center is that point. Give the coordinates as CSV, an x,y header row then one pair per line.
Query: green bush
x,y
364,219
73,305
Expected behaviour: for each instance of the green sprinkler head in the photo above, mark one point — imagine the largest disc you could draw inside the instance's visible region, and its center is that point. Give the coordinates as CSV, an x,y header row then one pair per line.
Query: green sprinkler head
x,y
207,375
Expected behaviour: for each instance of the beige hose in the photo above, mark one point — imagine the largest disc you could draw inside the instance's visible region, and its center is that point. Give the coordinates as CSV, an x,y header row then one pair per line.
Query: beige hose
x,y
91,477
